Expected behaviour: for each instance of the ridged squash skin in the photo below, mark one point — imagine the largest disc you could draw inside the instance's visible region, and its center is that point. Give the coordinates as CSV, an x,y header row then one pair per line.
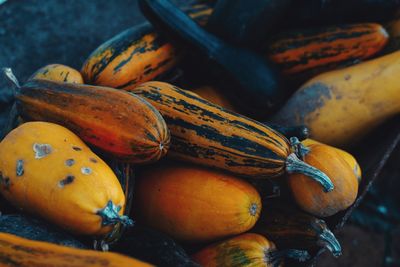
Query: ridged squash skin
x,y
340,107
244,250
192,204
58,73
322,49
344,154
121,124
310,196
207,134
17,251
134,56
48,171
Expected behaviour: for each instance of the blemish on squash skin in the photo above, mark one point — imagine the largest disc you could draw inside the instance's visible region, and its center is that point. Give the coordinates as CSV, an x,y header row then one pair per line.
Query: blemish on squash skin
x,y
20,167
5,181
69,162
253,209
76,148
42,150
86,170
68,180
93,160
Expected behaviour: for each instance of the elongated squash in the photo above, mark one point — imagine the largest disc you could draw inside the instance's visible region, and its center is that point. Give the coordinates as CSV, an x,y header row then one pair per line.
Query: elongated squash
x,y
207,134
21,252
58,73
119,123
308,194
244,250
345,155
136,55
192,203
47,170
287,226
341,106
322,49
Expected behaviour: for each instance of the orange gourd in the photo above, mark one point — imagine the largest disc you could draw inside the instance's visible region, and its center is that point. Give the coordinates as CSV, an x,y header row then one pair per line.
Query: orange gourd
x,y
47,170
308,194
192,203
215,96
21,252
58,73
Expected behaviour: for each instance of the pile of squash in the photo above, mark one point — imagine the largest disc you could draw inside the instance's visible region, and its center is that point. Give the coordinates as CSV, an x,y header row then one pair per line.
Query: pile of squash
x,y
240,168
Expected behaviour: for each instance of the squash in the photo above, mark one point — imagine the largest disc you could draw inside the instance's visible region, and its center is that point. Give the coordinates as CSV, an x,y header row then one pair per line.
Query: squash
x,y
206,134
312,51
194,204
340,107
254,83
121,124
47,170
393,28
35,229
17,251
152,246
58,73
308,194
247,23
215,96
345,155
135,55
244,250
287,226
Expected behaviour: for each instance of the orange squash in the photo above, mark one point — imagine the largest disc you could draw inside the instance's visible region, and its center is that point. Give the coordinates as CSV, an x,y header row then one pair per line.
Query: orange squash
x,y
215,96
308,194
21,252
58,73
244,250
121,124
345,155
191,203
322,49
134,56
47,170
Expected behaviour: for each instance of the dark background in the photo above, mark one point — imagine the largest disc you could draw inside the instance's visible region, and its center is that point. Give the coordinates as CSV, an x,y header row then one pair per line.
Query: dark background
x,y
34,33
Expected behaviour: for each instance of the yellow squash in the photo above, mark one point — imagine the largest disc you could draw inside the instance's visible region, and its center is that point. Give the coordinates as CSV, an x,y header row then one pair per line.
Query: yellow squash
x,y
58,73
21,252
47,170
341,106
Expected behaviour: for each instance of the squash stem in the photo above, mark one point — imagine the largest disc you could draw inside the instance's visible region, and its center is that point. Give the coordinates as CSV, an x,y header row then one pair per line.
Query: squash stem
x,y
327,239
275,257
11,77
295,165
110,215
298,147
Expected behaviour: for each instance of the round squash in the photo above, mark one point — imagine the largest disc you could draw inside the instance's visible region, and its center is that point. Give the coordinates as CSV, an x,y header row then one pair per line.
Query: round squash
x,y
45,169
311,197
17,251
243,250
58,73
215,96
192,203
344,154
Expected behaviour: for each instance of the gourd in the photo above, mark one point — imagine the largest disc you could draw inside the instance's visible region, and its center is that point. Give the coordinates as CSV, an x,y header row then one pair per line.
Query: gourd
x,y
207,134
340,107
287,226
245,250
121,124
311,51
308,194
136,55
17,251
344,154
48,171
192,203
58,73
